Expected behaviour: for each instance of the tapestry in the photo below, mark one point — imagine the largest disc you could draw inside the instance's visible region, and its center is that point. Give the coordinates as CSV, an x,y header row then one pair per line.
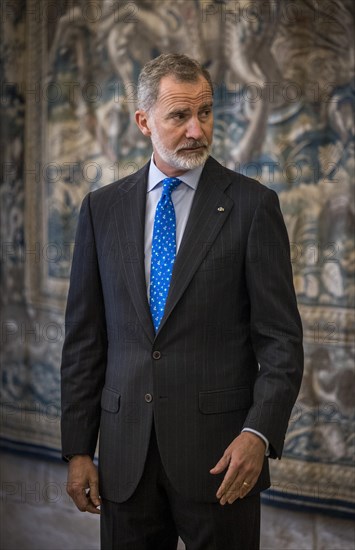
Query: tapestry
x,y
283,75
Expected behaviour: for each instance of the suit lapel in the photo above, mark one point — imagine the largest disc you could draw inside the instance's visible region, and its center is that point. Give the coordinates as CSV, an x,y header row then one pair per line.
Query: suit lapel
x,y
129,214
209,211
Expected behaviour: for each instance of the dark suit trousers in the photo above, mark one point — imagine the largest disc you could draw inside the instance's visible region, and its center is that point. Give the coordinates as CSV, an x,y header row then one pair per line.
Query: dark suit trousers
x,y
155,515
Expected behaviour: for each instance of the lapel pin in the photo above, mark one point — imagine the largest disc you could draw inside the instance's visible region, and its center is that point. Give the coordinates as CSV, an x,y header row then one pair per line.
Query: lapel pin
x,y
220,209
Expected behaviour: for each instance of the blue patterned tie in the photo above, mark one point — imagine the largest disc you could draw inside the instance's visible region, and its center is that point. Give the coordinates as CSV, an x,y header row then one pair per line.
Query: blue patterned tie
x,y
163,251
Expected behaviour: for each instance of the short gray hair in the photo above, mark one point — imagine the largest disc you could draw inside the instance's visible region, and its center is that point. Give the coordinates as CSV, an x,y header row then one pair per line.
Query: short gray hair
x,y
181,67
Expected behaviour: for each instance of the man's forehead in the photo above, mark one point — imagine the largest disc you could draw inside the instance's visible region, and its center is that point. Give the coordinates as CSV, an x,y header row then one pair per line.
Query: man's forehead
x,y
172,90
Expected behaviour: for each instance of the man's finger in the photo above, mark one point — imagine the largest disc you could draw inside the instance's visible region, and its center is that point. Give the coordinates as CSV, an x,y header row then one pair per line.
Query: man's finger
x,y
80,499
221,465
94,493
229,478
84,502
91,507
231,495
245,488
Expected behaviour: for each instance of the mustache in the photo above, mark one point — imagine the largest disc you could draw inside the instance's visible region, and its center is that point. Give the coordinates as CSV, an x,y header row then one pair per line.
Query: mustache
x,y
193,144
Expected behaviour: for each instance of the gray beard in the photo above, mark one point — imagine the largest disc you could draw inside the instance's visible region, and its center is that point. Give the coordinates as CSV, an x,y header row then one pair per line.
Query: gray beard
x,y
181,161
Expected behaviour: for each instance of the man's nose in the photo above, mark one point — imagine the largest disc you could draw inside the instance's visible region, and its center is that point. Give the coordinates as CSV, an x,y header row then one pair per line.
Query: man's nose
x,y
193,129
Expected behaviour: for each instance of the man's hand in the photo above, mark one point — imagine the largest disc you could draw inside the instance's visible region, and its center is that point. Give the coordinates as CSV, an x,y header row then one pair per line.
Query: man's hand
x,y
244,459
83,484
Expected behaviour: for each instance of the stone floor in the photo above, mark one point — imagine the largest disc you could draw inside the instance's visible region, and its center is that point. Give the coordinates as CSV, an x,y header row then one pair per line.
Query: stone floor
x,y
37,514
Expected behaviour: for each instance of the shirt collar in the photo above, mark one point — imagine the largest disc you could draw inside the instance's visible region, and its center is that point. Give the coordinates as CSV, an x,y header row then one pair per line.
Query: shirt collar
x,y
155,176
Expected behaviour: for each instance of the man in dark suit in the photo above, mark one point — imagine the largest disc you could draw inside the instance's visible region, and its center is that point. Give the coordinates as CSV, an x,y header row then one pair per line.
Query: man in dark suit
x,y
183,343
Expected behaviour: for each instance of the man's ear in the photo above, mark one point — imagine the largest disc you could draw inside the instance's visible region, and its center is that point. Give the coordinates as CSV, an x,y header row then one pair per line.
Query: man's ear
x,y
141,118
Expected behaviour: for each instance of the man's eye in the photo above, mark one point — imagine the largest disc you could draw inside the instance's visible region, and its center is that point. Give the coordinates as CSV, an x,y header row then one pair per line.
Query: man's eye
x,y
206,113
179,116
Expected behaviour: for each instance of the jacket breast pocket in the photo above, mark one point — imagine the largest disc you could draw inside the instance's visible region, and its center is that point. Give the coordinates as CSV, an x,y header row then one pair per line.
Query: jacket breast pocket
x,y
222,401
110,400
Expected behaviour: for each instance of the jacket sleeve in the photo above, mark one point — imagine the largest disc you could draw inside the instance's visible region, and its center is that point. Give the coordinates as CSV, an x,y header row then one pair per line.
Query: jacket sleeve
x,y
276,328
85,346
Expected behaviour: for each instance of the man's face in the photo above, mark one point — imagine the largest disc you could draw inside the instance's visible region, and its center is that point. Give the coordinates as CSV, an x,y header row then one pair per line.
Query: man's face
x,y
180,125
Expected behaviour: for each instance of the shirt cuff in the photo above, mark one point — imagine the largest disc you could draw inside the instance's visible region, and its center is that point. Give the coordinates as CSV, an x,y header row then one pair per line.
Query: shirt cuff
x,y
266,441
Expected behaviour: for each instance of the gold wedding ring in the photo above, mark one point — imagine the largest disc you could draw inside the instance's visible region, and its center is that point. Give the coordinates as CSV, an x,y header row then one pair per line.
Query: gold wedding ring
x,y
246,484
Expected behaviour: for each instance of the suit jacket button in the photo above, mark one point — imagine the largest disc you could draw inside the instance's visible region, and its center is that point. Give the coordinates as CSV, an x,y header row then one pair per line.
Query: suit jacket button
x,y
148,397
156,355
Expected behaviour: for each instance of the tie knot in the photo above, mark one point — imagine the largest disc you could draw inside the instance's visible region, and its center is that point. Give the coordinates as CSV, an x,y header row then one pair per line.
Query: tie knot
x,y
169,184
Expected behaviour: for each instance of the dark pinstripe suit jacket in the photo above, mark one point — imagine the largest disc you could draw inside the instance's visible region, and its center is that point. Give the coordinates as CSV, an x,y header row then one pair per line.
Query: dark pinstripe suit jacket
x,y
231,307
